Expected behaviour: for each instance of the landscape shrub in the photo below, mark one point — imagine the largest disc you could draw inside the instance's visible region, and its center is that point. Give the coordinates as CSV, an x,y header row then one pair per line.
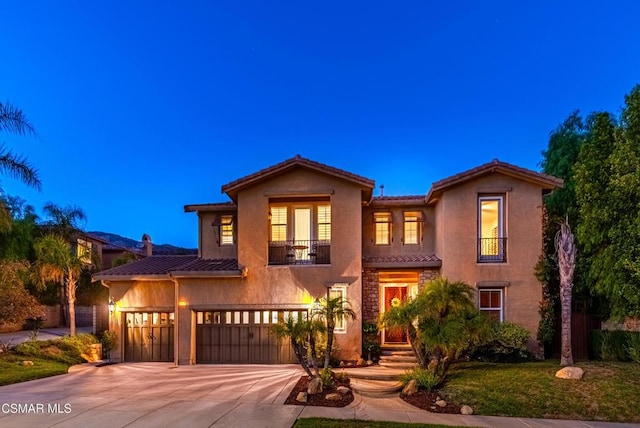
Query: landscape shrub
x,y
68,349
326,376
615,345
507,344
424,378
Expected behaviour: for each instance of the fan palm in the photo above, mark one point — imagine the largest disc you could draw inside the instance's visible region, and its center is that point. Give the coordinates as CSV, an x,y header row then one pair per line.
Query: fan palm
x,y
57,262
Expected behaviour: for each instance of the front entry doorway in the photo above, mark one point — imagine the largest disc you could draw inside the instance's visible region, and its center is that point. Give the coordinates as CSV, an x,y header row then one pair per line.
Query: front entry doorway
x,y
395,289
394,296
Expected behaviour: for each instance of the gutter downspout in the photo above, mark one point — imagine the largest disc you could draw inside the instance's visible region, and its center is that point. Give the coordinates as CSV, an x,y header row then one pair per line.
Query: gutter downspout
x,y
176,317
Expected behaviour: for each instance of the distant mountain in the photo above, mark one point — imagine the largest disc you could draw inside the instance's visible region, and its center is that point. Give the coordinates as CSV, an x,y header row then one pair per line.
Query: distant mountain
x,y
132,244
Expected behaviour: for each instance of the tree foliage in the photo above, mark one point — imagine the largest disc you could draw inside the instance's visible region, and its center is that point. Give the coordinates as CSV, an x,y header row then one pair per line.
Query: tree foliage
x,y
608,195
58,263
16,304
443,324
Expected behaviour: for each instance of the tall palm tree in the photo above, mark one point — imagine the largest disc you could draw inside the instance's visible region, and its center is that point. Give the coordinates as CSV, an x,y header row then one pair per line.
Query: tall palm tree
x,y
566,249
64,221
13,120
332,310
57,262
301,333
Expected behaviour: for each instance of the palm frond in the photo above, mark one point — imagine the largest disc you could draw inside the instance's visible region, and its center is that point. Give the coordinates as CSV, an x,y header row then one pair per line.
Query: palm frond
x,y
18,167
13,120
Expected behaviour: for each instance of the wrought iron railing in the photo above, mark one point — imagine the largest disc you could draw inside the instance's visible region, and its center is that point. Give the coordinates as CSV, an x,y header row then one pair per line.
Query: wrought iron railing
x,y
295,251
492,250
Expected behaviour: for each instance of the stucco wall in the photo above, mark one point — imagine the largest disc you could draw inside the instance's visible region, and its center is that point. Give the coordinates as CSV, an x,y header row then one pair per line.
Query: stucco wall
x,y
287,286
456,242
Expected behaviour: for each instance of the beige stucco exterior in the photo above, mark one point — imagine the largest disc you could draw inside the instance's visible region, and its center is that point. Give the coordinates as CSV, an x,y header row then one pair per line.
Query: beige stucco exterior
x,y
448,246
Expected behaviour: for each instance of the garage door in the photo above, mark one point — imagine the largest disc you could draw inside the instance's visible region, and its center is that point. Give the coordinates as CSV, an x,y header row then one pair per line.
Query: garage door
x,y
242,337
148,336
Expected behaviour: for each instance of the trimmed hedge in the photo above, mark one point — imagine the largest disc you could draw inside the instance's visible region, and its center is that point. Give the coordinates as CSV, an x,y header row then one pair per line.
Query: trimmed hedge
x,y
615,345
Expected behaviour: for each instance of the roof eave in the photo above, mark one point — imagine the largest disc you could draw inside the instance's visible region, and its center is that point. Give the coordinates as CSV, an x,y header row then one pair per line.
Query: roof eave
x,y
137,277
395,265
201,274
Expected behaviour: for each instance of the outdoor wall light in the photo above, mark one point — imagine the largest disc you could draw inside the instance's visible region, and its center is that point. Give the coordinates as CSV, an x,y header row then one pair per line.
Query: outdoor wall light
x,y
316,304
112,306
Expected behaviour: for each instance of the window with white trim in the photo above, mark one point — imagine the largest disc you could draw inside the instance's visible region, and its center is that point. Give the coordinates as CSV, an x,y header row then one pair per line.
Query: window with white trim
x,y
491,230
324,222
226,230
382,226
340,291
491,301
412,226
278,223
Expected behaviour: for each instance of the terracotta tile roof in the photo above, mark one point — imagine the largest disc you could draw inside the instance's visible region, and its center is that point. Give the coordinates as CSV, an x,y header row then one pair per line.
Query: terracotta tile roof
x,y
398,200
214,206
403,260
233,187
545,181
167,265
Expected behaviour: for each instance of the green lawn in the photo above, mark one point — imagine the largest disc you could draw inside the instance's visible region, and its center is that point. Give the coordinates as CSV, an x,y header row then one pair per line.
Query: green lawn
x,y
607,392
350,423
12,370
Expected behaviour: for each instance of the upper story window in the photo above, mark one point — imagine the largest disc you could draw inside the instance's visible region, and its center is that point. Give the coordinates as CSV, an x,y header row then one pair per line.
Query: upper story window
x,y
226,230
491,302
300,232
278,223
83,250
492,242
412,227
324,222
382,228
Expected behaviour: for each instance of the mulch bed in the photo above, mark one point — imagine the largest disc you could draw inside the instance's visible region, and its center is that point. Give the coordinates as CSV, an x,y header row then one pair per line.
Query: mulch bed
x,y
318,399
427,401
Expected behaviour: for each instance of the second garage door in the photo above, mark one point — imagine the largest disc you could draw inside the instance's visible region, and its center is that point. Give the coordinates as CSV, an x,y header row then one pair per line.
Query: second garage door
x,y
242,337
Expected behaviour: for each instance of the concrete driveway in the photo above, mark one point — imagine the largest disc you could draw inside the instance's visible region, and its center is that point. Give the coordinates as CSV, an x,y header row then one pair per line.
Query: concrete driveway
x,y
246,396
154,394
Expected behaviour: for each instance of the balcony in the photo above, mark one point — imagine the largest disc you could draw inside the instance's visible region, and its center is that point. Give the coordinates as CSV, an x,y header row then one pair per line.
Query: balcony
x,y
492,250
297,252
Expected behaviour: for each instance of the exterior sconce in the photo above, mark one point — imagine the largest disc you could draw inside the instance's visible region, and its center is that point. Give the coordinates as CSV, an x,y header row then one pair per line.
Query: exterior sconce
x,y
316,305
112,306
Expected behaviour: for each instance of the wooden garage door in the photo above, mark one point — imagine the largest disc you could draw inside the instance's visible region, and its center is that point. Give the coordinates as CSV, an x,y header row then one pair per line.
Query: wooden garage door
x,y
149,336
242,337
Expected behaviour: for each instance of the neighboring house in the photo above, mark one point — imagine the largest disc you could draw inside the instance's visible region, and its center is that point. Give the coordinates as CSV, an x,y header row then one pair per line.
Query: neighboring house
x,y
301,230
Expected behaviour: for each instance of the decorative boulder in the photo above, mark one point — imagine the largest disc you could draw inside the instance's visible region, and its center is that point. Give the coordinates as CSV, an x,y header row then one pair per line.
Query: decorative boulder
x,y
315,386
343,390
342,364
333,397
570,373
302,397
441,403
410,388
369,362
361,362
27,363
466,410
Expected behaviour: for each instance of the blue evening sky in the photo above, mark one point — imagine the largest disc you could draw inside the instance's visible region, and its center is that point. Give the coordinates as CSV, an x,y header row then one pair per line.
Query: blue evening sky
x,y
142,107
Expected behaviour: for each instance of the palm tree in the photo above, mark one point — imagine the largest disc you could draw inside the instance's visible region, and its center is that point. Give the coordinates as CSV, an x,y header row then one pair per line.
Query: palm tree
x,y
57,262
446,323
302,335
332,310
14,121
566,249
64,221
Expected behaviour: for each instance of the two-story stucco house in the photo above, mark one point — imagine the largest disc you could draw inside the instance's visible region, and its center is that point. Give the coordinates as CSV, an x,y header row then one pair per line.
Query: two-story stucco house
x,y
301,230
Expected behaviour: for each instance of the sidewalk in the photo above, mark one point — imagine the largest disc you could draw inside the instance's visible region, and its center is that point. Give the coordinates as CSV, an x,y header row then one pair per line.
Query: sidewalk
x,y
18,337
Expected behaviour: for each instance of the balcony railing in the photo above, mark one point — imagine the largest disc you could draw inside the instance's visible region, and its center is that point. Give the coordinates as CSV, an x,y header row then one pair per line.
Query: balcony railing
x,y
492,250
297,252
